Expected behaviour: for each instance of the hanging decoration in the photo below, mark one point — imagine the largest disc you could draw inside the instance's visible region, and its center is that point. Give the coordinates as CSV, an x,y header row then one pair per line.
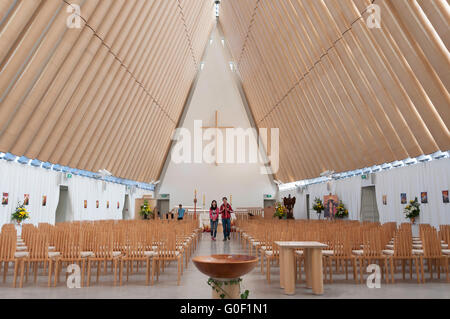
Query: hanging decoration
x,y
5,199
26,199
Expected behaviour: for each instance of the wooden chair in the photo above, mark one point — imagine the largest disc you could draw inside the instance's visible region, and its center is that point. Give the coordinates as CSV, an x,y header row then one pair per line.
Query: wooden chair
x,y
403,251
341,252
39,253
8,255
271,253
136,252
103,252
68,245
432,252
166,252
372,251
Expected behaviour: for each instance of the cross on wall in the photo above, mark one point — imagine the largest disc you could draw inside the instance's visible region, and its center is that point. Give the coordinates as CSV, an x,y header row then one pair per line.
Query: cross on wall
x,y
217,128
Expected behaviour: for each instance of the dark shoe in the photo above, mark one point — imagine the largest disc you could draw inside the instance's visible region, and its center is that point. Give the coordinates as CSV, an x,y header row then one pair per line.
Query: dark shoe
x,y
225,239
229,238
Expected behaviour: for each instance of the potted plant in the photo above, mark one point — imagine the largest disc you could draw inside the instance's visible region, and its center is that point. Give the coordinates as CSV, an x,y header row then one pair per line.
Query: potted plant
x,y
280,211
341,211
20,214
146,211
412,210
318,206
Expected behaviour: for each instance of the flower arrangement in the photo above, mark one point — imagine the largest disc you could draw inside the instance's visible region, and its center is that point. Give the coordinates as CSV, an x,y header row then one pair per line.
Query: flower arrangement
x,y
318,206
146,211
20,214
412,210
341,211
280,211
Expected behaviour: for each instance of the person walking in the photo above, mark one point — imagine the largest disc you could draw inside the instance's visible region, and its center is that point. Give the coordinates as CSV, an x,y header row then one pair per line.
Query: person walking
x,y
214,218
181,212
225,211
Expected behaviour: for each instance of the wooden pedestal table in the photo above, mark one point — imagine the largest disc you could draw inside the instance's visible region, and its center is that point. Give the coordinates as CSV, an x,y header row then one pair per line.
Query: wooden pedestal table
x,y
313,265
226,268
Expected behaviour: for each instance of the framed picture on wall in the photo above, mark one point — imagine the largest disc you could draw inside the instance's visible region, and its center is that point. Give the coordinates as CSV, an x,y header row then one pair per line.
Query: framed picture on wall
x,y
97,204
85,203
5,199
384,199
403,198
445,198
44,200
424,198
26,199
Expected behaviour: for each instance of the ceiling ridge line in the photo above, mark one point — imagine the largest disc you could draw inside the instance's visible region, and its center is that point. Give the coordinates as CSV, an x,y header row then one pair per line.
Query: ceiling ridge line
x,y
187,34
313,66
123,65
252,22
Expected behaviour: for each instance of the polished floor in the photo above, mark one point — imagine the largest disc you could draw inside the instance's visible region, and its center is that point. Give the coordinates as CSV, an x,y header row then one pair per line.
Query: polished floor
x,y
194,284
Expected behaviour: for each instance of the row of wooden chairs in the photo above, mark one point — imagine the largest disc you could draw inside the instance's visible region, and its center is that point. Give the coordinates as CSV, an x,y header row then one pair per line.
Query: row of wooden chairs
x,y
122,244
352,243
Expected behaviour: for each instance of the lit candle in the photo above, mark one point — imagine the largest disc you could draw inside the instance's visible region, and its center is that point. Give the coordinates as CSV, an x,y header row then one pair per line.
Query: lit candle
x,y
203,200
231,199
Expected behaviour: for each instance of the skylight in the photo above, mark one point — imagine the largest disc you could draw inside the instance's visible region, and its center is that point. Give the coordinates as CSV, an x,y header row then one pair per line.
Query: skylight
x,y
367,170
217,4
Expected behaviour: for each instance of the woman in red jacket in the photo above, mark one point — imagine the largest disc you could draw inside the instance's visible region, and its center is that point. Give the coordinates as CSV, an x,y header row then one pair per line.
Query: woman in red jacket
x,y
214,217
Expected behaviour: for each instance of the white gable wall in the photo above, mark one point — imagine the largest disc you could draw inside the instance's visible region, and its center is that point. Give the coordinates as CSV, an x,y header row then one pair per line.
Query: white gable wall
x,y
216,90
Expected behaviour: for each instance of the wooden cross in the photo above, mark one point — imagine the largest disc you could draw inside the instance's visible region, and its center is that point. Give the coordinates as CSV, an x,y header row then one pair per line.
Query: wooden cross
x,y
217,127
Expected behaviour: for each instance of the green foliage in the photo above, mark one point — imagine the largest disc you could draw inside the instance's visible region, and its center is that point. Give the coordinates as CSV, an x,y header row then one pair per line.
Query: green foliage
x,y
341,211
146,211
245,294
280,211
20,214
318,205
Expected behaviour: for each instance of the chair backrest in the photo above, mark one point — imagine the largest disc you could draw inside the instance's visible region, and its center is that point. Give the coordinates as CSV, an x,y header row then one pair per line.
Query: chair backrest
x,y
136,246
7,245
167,247
403,243
372,245
431,243
444,233
104,244
341,245
38,246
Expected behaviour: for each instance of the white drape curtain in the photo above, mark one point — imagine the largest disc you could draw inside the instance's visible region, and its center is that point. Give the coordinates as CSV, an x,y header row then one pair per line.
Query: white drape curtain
x,y
348,190
431,177
17,180
86,189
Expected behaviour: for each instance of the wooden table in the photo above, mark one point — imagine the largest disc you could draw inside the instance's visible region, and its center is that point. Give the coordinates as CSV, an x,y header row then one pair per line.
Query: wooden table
x,y
312,252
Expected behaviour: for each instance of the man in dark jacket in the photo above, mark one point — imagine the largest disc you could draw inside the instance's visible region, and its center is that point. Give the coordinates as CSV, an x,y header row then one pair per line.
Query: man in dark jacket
x,y
225,211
